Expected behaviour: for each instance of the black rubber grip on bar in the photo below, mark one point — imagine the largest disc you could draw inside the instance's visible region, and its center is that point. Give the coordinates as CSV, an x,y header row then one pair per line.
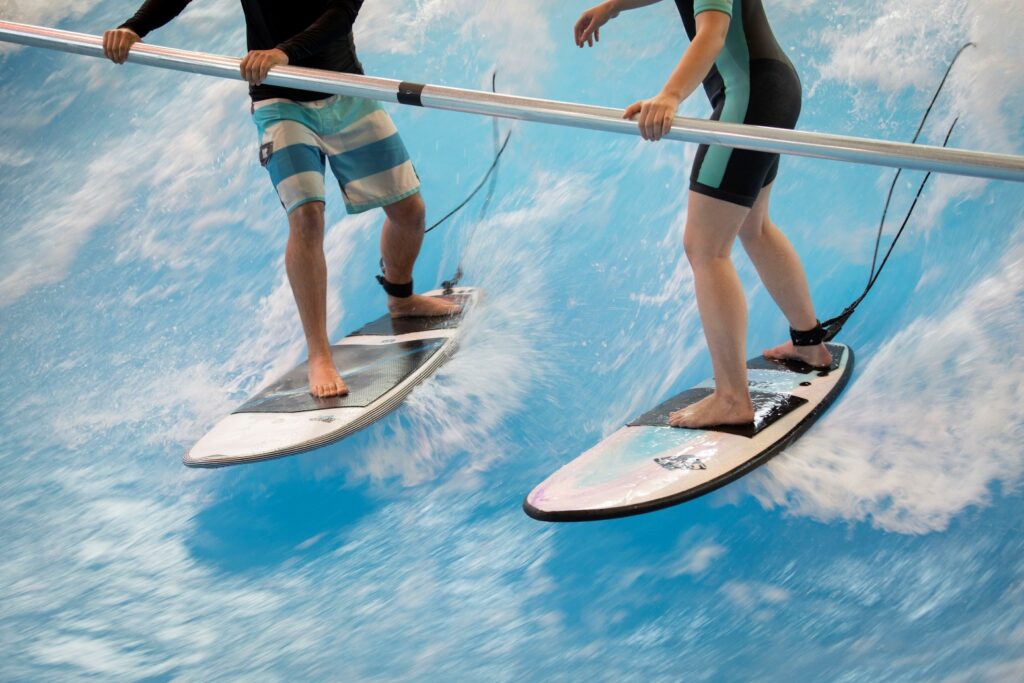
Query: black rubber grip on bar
x,y
409,93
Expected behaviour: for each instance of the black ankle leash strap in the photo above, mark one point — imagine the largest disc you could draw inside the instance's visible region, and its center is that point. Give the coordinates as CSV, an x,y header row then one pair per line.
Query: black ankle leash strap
x,y
403,291
811,337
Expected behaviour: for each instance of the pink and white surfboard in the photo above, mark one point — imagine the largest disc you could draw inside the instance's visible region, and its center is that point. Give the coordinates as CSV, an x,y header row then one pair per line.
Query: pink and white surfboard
x,y
648,465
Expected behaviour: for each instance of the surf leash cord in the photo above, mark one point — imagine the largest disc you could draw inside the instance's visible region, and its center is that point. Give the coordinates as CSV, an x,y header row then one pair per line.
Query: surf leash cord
x,y
449,285
835,324
469,198
498,151
489,174
483,181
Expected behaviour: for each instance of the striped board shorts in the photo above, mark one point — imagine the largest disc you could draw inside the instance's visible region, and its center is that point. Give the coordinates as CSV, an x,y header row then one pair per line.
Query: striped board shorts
x,y
355,135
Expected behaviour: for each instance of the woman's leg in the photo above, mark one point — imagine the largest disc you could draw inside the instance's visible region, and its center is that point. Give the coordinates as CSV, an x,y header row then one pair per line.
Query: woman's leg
x,y
780,269
711,229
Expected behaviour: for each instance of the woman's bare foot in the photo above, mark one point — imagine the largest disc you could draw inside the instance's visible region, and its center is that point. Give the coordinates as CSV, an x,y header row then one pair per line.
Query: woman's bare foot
x,y
324,379
713,410
816,356
418,305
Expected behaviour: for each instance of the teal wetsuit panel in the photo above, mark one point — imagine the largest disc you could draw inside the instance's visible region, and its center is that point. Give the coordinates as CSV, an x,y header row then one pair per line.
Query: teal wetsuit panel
x,y
752,82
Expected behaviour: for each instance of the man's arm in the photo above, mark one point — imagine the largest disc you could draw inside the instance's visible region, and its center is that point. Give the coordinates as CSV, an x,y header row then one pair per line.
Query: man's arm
x,y
152,15
335,22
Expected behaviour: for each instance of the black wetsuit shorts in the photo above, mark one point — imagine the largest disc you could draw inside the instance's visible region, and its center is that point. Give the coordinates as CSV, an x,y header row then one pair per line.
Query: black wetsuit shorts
x,y
752,82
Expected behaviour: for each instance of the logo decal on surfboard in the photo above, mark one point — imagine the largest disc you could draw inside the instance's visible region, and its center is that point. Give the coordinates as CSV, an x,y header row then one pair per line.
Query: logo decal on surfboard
x,y
681,461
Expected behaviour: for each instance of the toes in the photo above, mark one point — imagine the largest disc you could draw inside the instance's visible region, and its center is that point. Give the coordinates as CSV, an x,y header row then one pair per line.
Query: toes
x,y
334,388
679,418
338,388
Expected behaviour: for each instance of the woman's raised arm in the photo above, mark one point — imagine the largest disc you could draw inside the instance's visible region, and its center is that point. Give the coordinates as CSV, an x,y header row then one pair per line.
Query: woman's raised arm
x,y
588,26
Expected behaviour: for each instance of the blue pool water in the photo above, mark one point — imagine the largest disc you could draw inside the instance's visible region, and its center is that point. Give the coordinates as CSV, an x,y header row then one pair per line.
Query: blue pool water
x,y
142,297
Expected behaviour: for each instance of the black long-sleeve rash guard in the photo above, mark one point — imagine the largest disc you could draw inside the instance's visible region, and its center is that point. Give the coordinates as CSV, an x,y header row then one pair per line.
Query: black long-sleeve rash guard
x,y
313,33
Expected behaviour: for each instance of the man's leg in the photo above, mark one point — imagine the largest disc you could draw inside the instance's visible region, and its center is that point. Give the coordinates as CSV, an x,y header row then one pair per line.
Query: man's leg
x,y
783,275
400,242
711,228
307,274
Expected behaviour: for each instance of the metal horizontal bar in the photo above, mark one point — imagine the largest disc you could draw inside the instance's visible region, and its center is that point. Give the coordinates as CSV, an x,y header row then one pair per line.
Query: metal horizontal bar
x,y
820,145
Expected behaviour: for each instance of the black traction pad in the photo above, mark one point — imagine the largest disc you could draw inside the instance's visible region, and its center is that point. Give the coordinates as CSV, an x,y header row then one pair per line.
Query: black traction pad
x,y
368,370
386,326
768,407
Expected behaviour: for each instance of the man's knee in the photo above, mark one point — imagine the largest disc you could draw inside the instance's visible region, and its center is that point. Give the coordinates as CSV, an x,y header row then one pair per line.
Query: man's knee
x,y
307,221
409,213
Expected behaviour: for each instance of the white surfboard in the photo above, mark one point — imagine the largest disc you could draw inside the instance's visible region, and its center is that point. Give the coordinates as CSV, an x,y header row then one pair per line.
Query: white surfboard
x,y
648,465
381,363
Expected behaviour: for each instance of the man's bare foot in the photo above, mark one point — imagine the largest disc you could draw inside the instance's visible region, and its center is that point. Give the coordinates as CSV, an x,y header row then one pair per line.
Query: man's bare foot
x,y
713,410
815,356
324,379
418,305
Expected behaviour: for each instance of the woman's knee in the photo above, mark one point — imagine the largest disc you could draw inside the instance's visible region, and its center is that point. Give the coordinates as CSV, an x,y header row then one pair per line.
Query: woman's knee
x,y
711,228
757,231
702,249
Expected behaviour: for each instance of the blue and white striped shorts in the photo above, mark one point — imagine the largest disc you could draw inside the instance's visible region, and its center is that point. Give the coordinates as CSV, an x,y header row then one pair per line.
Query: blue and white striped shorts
x,y
355,135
